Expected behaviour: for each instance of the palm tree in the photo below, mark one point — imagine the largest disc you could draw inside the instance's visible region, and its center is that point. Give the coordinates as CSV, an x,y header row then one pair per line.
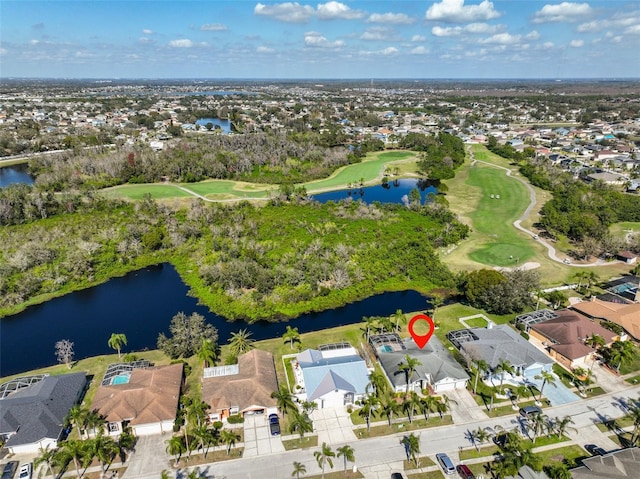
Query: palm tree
x,y
409,405
292,335
620,352
536,423
557,470
241,342
77,416
481,366
400,318
308,407
116,341
176,446
93,422
75,450
428,405
561,425
411,445
45,456
370,324
300,422
547,378
480,436
389,406
324,456
126,443
367,410
348,454
443,405
104,448
208,352
596,342
283,399
229,438
204,436
503,366
634,414
298,468
379,382
408,367
436,301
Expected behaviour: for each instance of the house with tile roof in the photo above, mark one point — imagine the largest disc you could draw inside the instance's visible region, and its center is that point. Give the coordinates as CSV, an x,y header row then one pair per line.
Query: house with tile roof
x,y
333,375
616,464
564,337
146,399
437,370
243,388
625,315
33,414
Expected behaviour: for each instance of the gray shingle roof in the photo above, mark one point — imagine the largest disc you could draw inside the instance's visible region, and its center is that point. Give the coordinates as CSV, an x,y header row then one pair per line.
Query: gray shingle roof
x,y
38,411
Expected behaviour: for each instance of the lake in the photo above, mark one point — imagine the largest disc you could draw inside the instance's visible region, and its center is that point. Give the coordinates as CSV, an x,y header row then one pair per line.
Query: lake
x,y
141,305
391,193
224,125
10,175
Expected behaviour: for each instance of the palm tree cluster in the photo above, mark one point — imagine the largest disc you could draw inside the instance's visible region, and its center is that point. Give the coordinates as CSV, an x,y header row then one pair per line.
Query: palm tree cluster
x,y
82,451
383,324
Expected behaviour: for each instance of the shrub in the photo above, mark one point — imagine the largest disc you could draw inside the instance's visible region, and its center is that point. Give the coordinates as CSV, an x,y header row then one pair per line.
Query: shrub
x,y
235,419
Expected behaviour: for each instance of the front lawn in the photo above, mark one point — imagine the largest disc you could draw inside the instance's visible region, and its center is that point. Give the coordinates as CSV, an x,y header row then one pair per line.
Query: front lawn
x,y
404,426
300,443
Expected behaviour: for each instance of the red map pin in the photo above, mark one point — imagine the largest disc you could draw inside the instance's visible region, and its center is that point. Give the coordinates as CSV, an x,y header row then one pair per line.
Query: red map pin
x,y
421,341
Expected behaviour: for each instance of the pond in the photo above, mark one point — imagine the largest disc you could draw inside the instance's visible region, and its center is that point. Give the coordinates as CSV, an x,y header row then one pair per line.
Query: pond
x,y
141,305
224,125
13,174
393,192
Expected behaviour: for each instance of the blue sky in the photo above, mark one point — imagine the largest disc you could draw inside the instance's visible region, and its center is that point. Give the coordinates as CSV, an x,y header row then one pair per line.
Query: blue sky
x,y
346,39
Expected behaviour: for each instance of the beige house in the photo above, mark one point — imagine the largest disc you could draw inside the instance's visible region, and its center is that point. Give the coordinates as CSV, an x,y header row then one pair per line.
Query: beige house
x,y
564,337
625,315
243,388
147,401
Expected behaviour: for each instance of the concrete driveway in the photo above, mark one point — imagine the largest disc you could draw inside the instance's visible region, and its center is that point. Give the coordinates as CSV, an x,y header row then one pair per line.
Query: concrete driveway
x,y
258,440
333,425
150,456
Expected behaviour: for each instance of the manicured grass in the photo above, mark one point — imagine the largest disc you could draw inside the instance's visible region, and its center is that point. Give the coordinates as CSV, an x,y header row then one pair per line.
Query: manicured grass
x,y
476,322
483,452
569,455
224,189
385,430
137,192
427,475
620,230
423,461
633,380
337,474
300,443
212,456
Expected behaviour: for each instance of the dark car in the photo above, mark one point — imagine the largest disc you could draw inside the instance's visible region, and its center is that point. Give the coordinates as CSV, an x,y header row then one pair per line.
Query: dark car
x,y
464,472
274,424
528,411
9,469
397,475
595,450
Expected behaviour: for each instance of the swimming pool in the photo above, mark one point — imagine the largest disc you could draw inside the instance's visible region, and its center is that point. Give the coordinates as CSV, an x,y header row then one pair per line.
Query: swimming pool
x,y
385,348
121,379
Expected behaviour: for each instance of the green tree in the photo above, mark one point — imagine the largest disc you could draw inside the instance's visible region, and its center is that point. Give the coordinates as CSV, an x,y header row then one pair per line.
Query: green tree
x,y
298,468
557,470
436,301
77,416
408,366
74,450
480,367
229,438
45,456
240,342
283,399
428,404
104,448
176,446
634,414
410,404
547,378
379,382
367,409
619,353
348,454
399,318
324,456
204,436
389,406
116,341
411,445
503,366
301,423
208,352
292,335
187,333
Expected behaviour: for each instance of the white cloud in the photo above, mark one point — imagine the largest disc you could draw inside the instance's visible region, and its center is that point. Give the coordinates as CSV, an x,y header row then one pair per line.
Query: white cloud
x,y
533,35
418,38
577,43
262,49
391,18
181,43
3,52
291,12
214,27
627,20
376,33
146,31
548,45
632,30
389,51
563,12
315,39
34,42
145,40
337,10
455,11
419,51
502,39
474,28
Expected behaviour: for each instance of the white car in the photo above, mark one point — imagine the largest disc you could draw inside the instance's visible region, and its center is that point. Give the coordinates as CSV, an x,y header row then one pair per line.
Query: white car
x,y
25,471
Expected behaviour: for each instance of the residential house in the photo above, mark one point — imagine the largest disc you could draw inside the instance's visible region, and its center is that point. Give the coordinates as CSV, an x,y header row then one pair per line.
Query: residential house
x,y
500,342
437,369
617,464
331,376
144,398
564,337
243,388
33,410
625,315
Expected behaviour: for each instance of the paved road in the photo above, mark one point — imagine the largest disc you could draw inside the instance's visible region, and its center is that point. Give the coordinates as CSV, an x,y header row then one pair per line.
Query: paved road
x,y
377,457
532,203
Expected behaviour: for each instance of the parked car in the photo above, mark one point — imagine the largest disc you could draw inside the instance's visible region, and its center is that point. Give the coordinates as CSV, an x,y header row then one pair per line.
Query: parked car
x,y
397,475
595,450
9,470
274,424
25,471
464,472
445,463
528,411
